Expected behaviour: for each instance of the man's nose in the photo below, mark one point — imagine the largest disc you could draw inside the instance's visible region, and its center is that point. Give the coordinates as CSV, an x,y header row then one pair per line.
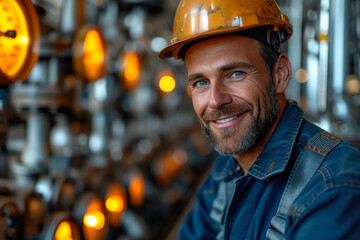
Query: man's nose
x,y
219,95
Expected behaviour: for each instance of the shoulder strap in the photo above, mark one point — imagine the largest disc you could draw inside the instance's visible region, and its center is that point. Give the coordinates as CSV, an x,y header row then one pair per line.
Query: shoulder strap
x,y
304,168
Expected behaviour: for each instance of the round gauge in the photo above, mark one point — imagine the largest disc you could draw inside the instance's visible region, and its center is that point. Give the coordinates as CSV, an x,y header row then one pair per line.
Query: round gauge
x,y
61,225
19,39
90,54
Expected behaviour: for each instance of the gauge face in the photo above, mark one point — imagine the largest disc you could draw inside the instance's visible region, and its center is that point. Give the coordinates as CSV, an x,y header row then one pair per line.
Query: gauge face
x,y
90,54
19,39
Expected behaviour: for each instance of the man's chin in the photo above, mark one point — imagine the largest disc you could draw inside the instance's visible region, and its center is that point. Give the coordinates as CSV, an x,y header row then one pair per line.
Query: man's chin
x,y
226,146
226,143
225,152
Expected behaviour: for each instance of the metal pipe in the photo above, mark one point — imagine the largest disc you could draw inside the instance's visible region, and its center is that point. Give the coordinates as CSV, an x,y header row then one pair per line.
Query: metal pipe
x,y
296,12
339,48
36,150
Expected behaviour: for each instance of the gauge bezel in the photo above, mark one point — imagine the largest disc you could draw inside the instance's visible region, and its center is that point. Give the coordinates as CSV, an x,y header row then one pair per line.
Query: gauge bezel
x,y
33,48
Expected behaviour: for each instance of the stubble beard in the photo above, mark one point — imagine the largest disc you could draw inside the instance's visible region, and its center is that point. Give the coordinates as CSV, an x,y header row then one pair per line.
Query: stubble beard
x,y
232,144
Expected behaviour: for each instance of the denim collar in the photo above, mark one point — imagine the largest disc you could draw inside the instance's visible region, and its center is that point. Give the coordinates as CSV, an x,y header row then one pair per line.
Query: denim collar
x,y
276,153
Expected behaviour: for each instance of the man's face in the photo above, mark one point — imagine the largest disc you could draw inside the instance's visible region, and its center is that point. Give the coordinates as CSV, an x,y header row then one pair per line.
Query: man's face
x,y
232,92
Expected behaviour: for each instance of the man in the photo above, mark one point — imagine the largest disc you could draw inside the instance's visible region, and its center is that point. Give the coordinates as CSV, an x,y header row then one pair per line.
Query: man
x,y
278,176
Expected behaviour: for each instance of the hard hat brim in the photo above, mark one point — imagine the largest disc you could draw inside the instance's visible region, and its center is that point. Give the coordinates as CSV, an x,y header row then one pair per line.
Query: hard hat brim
x,y
174,49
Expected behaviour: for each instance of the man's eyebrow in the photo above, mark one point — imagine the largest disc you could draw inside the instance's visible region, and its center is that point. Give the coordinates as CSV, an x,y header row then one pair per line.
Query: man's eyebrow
x,y
224,68
195,76
231,66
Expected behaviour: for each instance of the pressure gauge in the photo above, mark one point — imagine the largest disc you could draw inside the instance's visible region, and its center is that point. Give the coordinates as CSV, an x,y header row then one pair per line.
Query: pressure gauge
x,y
90,54
61,226
90,214
19,39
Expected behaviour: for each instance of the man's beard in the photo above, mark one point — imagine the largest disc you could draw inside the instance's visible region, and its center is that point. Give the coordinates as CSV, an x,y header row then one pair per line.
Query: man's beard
x,y
257,130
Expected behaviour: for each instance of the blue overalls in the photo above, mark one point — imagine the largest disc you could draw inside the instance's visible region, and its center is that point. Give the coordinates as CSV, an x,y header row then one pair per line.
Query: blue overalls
x,y
231,205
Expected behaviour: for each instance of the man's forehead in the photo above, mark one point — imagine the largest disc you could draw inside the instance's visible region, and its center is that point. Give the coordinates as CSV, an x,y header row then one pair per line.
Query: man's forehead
x,y
230,46
224,42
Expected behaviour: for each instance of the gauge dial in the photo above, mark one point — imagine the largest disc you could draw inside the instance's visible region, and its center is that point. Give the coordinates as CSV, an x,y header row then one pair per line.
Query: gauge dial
x,y
90,54
19,39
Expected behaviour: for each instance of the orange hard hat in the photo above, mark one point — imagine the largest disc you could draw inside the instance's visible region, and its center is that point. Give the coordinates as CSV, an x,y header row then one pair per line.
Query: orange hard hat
x,y
197,19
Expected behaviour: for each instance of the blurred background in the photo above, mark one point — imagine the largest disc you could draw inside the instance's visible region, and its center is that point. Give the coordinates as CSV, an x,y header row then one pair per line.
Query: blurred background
x,y
98,136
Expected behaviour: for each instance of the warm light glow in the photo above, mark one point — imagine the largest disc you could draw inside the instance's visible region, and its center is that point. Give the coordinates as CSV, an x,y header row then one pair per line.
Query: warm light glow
x,y
94,54
13,50
131,68
137,189
90,54
94,220
323,37
63,232
131,73
24,40
170,165
36,211
352,85
114,204
167,83
301,75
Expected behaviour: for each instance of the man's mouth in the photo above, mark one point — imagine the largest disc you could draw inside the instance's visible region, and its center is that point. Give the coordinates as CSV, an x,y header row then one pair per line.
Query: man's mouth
x,y
225,120
227,116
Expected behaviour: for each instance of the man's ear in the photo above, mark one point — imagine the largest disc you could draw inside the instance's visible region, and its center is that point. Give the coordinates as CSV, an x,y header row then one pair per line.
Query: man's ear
x,y
282,73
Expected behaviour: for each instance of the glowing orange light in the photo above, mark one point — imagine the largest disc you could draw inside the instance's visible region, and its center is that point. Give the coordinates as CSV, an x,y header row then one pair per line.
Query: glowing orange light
x,y
90,54
115,204
15,59
63,232
171,165
94,54
137,189
131,73
167,83
131,68
19,53
95,220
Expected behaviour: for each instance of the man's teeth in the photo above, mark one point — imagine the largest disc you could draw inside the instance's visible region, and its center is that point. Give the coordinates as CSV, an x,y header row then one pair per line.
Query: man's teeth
x,y
226,119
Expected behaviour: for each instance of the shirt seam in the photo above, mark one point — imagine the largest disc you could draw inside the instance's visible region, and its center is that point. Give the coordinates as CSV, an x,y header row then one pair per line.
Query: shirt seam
x,y
286,157
297,212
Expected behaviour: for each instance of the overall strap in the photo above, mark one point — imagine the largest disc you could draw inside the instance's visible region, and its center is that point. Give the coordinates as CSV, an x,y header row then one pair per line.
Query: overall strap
x,y
304,168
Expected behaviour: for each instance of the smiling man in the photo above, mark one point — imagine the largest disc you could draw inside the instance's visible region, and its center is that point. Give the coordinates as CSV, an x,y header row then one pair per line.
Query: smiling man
x,y
234,95
278,176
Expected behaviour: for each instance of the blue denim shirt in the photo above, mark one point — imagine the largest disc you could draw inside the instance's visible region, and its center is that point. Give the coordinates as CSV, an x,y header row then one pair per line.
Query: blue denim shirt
x,y
231,205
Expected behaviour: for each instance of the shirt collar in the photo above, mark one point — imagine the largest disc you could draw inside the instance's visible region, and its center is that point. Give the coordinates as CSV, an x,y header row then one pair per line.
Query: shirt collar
x,y
276,153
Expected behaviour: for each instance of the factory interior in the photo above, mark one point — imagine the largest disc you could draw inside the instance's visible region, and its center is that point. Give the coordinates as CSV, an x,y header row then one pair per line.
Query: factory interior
x,y
98,136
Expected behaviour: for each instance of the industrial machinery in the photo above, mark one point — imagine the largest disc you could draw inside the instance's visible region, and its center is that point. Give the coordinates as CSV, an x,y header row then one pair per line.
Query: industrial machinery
x,y
97,134
93,145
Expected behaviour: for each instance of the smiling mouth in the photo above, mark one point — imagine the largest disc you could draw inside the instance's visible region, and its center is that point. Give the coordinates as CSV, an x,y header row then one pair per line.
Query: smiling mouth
x,y
226,119
227,116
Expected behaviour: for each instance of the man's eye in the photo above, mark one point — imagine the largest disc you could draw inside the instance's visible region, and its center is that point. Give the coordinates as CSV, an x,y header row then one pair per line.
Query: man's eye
x,y
237,74
200,83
